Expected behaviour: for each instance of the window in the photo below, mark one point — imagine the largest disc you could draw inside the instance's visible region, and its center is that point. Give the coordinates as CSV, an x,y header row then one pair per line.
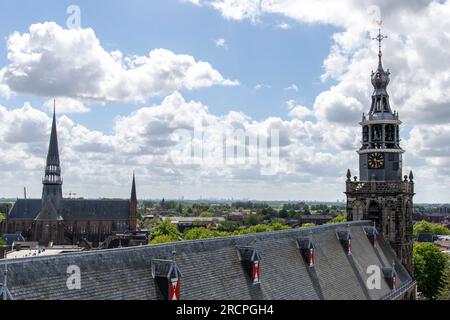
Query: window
x,y
345,237
307,250
251,261
167,276
395,166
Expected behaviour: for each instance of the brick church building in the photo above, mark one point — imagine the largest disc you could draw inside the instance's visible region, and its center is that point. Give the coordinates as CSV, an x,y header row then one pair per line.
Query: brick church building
x,y
53,219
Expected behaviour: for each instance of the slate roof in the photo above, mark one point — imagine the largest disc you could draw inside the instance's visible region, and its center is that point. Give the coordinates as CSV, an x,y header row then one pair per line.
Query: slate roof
x,y
74,209
211,269
11,238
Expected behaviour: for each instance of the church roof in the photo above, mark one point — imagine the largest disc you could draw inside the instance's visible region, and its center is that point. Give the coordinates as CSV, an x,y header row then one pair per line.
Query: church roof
x,y
212,269
74,209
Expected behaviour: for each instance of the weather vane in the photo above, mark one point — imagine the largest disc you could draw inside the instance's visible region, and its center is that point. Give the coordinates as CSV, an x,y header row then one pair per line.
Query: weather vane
x,y
380,37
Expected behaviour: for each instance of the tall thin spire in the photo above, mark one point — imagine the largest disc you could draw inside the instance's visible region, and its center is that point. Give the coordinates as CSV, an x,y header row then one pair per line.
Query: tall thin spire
x,y
52,181
53,150
133,189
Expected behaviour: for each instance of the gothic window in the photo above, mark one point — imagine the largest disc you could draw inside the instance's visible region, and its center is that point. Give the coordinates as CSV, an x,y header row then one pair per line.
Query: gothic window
x,y
376,132
390,133
366,134
385,107
375,213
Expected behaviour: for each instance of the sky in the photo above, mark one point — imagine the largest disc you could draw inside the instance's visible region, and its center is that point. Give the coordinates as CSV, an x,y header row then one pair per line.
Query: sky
x,y
138,82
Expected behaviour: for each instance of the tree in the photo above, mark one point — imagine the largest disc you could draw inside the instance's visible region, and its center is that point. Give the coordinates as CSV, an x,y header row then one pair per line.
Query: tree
x,y
228,226
284,214
206,214
428,227
278,226
166,228
308,225
306,211
203,233
338,219
162,239
2,216
251,220
430,269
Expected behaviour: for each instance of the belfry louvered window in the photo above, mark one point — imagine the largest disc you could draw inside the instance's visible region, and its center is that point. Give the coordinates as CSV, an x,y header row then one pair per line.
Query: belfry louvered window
x,y
345,237
307,250
251,261
167,276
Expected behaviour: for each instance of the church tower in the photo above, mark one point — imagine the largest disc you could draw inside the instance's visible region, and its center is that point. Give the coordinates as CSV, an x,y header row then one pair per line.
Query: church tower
x,y
381,194
48,223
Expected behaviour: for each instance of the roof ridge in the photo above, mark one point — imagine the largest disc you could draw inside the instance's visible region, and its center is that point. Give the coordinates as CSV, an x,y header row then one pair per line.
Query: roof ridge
x,y
191,242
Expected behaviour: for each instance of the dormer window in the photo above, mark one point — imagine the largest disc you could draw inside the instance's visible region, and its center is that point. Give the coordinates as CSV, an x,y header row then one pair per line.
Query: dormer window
x,y
167,276
307,250
250,260
345,237
391,277
372,235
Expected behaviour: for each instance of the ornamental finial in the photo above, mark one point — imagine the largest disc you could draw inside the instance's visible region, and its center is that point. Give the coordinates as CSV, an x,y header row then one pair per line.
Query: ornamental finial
x,y
380,38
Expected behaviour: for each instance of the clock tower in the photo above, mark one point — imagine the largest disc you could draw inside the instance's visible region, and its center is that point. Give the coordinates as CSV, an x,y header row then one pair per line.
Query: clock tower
x,y
382,194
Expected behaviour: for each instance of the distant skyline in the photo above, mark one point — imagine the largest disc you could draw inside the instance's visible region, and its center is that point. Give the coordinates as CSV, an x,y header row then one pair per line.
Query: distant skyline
x,y
132,74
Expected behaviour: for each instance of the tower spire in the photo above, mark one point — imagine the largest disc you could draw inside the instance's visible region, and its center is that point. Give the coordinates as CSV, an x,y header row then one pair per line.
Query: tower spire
x,y
52,181
380,37
53,150
133,188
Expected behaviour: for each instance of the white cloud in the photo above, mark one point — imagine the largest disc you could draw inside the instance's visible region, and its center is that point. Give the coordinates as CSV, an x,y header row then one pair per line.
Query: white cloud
x,y
95,163
298,111
416,54
52,61
260,86
292,87
66,105
221,42
283,26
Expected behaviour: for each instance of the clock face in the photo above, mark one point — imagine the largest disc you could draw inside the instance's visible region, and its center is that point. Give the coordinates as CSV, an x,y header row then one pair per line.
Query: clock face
x,y
376,160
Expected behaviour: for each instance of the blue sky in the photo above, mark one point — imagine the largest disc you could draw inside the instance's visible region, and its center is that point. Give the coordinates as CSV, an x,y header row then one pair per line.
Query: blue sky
x,y
255,54
136,72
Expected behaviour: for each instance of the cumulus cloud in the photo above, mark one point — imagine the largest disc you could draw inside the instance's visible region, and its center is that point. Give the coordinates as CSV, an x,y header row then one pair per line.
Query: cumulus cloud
x,y
148,140
52,61
66,105
298,111
416,54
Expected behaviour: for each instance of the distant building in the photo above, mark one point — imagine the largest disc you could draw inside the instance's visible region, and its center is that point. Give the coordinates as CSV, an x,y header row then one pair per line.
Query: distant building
x,y
53,219
185,223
